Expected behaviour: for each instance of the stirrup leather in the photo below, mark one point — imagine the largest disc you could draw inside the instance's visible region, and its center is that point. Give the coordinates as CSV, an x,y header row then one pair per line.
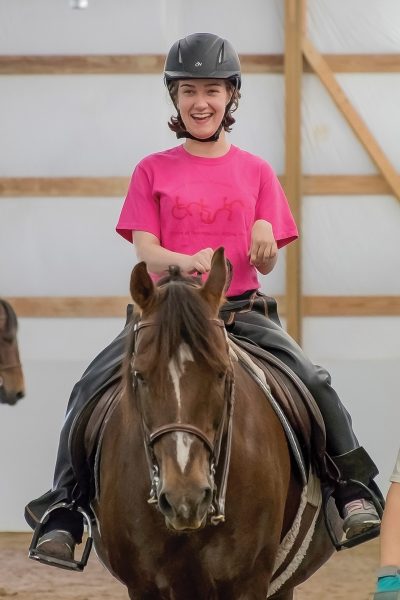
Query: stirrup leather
x,y
72,565
370,534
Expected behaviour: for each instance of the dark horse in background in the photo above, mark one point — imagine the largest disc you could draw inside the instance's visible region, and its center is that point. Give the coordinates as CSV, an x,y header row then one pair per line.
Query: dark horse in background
x,y
224,491
12,386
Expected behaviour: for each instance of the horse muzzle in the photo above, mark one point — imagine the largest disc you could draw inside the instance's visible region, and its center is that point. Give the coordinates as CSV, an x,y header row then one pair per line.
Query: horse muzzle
x,y
185,511
10,398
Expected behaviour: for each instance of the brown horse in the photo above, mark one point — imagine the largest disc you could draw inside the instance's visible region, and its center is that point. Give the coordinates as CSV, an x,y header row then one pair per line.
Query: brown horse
x,y
12,386
173,432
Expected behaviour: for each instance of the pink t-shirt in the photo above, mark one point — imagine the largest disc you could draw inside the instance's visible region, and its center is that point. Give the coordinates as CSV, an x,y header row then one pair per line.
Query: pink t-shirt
x,y
190,203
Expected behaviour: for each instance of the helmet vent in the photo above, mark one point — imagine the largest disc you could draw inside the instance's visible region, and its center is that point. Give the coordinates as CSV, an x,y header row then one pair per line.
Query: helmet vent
x,y
180,55
221,55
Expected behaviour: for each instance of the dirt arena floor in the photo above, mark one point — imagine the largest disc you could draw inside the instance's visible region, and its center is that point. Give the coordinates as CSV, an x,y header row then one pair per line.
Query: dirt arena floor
x,y
349,575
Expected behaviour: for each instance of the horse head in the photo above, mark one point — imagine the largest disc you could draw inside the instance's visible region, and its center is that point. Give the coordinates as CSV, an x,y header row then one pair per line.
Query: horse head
x,y
12,386
181,378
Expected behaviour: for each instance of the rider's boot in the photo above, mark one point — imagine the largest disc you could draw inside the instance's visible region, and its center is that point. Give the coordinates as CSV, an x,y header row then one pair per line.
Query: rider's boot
x,y
62,532
56,537
57,544
359,513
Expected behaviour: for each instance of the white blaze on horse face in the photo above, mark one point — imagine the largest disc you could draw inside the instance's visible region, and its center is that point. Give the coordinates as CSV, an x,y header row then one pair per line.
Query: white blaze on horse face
x,y
183,444
176,369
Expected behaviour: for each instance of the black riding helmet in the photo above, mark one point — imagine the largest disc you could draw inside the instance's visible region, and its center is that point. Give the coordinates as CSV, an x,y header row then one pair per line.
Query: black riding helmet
x,y
202,56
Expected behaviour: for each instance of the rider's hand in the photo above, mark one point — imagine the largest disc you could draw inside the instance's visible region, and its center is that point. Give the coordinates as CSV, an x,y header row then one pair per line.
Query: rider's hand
x,y
263,246
200,262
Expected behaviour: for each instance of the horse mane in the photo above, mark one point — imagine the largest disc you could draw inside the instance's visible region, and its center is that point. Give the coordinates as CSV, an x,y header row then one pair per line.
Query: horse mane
x,y
181,315
11,317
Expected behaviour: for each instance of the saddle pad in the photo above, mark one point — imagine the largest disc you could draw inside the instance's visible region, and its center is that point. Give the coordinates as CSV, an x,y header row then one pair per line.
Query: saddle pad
x,y
294,546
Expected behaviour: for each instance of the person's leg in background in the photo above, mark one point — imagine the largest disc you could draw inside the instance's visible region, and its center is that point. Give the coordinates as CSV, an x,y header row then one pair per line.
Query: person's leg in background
x,y
388,582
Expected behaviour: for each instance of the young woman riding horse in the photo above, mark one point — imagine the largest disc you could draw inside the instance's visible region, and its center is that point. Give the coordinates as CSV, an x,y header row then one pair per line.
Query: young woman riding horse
x,y
183,203
194,418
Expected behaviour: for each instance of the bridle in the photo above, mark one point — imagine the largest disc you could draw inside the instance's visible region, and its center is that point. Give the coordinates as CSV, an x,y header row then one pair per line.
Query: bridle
x,y
216,448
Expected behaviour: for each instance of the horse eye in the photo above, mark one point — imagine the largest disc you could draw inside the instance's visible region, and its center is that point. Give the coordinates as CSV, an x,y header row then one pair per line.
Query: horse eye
x,y
221,376
138,375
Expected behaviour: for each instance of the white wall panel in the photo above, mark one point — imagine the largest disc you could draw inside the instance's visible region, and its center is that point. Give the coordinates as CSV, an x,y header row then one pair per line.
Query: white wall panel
x,y
77,125
352,338
75,339
260,126
63,247
350,245
355,26
376,97
329,145
135,26
255,26
103,125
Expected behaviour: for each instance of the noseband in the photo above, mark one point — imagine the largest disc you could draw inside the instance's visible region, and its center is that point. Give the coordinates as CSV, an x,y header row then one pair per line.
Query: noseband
x,y
215,447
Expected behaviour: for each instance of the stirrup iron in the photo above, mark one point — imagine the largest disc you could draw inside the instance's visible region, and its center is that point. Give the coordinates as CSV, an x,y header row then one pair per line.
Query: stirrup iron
x,y
72,565
370,534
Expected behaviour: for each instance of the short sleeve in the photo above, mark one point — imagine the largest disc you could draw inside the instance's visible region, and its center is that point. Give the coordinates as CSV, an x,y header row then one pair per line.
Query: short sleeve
x,y
140,211
272,206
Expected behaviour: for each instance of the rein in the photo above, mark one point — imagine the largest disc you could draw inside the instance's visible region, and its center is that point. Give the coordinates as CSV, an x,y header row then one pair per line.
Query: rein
x,y
217,508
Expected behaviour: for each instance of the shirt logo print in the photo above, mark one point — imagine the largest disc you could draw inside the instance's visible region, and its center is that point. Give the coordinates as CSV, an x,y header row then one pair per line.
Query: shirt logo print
x,y
181,210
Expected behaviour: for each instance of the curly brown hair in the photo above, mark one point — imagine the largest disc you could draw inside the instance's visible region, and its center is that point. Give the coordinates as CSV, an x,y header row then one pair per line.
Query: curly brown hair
x,y
176,124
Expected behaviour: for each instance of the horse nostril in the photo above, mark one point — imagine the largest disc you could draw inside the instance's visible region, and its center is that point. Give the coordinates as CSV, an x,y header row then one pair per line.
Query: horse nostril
x,y
207,496
20,395
164,505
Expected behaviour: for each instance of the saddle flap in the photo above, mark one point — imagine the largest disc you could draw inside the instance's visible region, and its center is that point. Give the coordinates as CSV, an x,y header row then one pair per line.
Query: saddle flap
x,y
295,401
85,434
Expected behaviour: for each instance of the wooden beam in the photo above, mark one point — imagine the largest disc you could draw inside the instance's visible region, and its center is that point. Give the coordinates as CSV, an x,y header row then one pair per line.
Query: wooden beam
x,y
63,186
70,306
359,127
352,306
147,64
294,29
351,185
362,63
115,306
100,187
139,64
94,64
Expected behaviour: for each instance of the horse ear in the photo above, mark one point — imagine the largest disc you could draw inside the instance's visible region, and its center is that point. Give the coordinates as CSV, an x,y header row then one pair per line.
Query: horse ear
x,y
214,288
141,286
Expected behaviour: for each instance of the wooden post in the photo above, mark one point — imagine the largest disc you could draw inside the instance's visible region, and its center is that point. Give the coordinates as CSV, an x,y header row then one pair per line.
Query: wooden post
x,y
294,30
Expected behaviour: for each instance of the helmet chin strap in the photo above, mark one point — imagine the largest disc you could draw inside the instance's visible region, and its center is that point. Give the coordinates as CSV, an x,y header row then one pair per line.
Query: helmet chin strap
x,y
213,138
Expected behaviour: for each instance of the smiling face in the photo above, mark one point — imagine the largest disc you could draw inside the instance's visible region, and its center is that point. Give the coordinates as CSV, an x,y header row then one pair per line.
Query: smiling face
x,y
202,104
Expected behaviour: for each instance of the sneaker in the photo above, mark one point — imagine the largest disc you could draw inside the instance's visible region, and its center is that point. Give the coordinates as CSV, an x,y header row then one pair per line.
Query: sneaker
x,y
57,544
359,516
